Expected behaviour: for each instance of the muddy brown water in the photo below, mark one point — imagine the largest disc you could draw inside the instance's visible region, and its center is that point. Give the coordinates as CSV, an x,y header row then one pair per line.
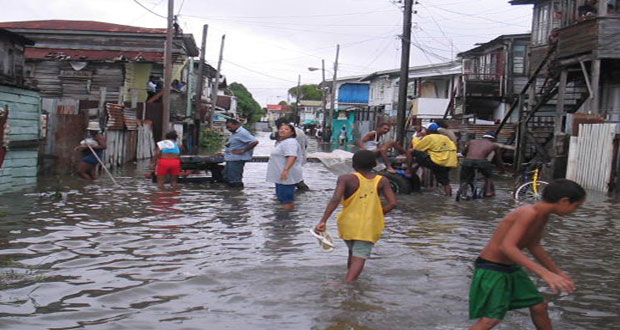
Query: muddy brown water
x,y
78,255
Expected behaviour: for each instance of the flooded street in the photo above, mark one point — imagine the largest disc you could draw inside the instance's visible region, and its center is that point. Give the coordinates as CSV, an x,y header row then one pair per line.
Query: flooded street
x,y
77,255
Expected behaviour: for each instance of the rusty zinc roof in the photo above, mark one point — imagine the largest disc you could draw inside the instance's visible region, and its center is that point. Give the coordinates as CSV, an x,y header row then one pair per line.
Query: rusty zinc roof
x,y
79,26
130,119
115,116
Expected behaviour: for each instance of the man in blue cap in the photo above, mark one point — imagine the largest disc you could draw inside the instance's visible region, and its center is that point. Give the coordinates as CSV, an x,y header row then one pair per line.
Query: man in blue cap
x,y
477,154
436,152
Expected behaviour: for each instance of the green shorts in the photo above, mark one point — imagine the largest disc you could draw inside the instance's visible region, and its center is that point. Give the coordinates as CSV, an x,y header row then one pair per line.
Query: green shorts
x,y
360,249
497,288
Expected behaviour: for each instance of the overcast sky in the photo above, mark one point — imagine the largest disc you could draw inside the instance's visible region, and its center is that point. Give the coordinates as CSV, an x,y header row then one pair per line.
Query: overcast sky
x,y
270,42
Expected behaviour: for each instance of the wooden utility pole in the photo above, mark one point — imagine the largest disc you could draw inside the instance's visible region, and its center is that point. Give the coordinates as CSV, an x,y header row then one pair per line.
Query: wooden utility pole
x,y
216,86
333,93
296,120
165,122
323,97
201,66
404,73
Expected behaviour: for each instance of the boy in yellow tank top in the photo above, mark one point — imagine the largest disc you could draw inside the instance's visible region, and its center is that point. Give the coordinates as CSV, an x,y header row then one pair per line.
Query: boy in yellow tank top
x,y
361,221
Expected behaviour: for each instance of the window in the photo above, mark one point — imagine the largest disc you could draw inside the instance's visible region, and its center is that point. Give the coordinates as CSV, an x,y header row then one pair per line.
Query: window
x,y
518,59
542,23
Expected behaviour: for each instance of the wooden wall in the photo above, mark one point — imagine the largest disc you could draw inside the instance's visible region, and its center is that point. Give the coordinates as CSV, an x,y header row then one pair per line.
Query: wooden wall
x,y
19,169
58,79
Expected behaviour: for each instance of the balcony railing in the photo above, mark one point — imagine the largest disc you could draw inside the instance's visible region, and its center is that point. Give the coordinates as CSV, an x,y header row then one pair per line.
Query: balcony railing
x,y
599,36
484,84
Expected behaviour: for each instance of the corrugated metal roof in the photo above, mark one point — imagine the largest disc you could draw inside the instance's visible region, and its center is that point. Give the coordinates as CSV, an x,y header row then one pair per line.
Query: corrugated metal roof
x,y
116,119
130,119
92,55
16,37
79,26
311,103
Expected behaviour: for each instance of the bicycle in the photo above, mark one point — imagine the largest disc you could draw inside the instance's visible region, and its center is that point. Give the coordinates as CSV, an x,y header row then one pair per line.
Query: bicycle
x,y
469,189
531,188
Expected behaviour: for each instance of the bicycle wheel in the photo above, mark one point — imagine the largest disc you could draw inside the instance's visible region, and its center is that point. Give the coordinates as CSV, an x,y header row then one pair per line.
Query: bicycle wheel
x,y
465,192
526,192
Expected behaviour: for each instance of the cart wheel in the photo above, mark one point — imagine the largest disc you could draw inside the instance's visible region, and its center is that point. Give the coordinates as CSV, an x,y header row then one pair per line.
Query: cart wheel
x,y
400,184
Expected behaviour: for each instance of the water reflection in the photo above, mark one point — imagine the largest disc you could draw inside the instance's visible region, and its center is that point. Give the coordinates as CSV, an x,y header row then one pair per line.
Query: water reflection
x,y
99,257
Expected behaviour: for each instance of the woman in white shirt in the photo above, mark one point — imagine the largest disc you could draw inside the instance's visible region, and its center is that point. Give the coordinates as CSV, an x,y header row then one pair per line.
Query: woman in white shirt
x,y
284,167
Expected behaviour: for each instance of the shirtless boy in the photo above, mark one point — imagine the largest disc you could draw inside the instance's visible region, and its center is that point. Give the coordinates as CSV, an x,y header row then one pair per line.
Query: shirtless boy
x,y
500,283
477,153
375,142
361,221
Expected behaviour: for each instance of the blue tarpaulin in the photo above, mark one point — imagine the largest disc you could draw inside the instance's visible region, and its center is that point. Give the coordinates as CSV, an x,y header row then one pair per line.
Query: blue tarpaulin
x,y
353,93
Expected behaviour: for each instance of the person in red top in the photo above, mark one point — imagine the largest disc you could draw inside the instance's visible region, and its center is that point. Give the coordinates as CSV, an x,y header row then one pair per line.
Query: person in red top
x,y
168,160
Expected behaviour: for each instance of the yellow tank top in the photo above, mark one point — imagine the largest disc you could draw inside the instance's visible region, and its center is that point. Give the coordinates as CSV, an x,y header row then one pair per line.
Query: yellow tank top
x,y
362,216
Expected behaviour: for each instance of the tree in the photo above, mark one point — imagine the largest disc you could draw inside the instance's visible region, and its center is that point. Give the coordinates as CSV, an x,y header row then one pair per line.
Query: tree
x,y
246,104
308,92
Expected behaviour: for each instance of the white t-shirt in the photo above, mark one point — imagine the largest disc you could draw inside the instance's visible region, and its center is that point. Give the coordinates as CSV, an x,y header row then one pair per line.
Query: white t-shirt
x,y
278,159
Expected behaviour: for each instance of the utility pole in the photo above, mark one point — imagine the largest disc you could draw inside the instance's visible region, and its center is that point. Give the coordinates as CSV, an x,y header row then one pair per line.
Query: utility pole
x,y
333,92
404,73
201,66
216,86
165,122
296,120
323,97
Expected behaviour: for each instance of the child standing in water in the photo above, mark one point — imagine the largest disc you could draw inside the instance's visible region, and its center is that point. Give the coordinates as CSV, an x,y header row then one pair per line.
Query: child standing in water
x,y
361,221
500,283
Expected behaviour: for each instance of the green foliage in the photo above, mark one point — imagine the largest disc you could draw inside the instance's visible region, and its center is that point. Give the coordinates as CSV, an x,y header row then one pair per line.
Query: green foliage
x,y
308,92
247,107
212,141
283,103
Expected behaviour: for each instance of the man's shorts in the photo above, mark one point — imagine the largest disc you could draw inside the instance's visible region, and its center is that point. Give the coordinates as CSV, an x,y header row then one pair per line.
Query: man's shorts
x,y
441,173
285,193
469,167
360,249
497,288
171,166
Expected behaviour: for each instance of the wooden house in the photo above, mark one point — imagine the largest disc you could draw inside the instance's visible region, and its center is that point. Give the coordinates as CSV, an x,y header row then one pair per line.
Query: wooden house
x,y
74,59
20,116
494,74
574,69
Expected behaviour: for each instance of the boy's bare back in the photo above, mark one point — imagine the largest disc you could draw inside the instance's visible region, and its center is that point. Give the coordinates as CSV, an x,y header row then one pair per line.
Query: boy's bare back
x,y
524,226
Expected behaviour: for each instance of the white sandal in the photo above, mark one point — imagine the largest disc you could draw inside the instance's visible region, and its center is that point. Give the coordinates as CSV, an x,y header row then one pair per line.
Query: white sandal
x,y
325,239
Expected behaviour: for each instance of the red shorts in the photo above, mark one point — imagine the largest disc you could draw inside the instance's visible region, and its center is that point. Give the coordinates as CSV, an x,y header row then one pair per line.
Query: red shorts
x,y
170,166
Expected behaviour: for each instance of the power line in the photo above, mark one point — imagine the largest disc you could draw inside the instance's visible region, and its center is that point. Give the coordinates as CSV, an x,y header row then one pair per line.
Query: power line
x,y
152,12
180,7
260,73
300,16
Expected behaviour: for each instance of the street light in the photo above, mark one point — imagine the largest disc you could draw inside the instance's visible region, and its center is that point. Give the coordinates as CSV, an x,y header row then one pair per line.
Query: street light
x,y
327,124
323,99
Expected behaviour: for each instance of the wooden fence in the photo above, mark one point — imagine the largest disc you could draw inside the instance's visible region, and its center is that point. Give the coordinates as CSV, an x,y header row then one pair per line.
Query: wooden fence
x,y
590,157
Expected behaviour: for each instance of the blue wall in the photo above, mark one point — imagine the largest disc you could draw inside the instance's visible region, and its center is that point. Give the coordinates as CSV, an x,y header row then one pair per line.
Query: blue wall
x,y
19,169
353,93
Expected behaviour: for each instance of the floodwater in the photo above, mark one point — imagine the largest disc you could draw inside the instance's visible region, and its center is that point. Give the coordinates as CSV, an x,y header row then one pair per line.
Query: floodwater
x,y
76,255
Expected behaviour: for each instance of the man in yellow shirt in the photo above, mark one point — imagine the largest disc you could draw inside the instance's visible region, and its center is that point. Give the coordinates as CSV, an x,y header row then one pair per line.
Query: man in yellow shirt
x,y
438,153
361,221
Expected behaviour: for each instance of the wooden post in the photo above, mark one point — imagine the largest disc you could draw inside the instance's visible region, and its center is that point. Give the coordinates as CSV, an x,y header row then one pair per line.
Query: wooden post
x,y
165,122
296,120
134,98
519,153
200,80
188,87
101,107
216,86
559,111
404,73
333,94
323,97
596,76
